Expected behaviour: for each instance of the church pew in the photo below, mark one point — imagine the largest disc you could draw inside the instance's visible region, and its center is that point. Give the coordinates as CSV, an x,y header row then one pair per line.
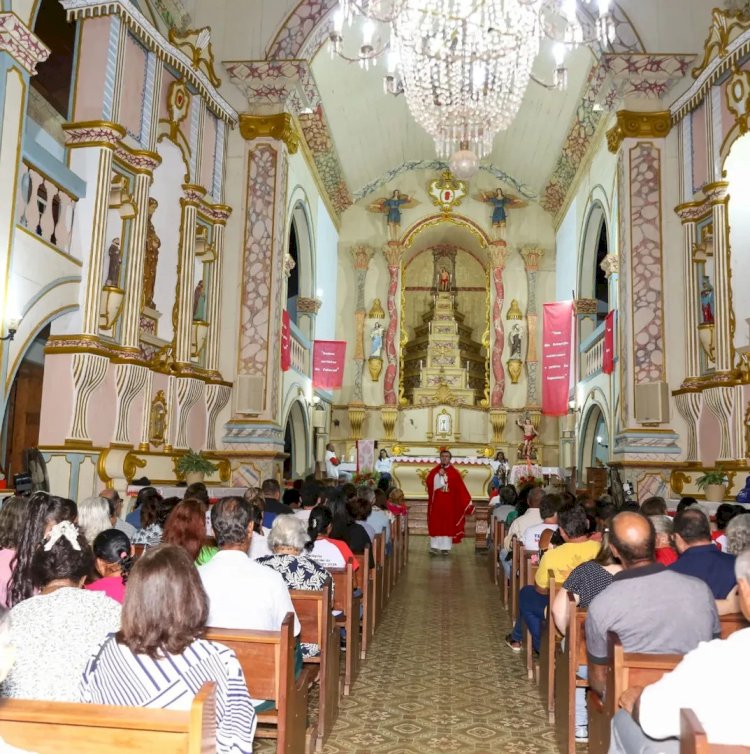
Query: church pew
x,y
624,669
515,566
491,546
267,660
378,547
72,728
693,738
395,552
570,655
314,610
405,545
345,600
368,585
546,675
732,622
529,568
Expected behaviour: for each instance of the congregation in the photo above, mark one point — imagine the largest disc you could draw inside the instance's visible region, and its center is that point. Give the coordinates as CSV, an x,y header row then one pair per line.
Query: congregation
x,y
634,577
101,609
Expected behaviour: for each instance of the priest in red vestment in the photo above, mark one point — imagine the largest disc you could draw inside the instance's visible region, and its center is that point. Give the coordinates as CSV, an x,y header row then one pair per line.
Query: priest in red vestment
x,y
449,502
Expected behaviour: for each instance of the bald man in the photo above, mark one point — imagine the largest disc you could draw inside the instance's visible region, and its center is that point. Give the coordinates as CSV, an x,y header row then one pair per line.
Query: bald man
x,y
115,510
650,608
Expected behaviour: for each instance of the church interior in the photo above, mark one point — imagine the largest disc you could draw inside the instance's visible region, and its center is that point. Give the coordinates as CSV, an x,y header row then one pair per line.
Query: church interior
x,y
292,252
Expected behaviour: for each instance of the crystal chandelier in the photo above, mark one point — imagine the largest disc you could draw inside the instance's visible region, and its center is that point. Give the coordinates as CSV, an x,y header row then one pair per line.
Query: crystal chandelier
x,y
464,65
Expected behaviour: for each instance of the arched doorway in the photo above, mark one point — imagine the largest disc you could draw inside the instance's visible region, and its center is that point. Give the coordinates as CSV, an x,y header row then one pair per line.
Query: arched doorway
x,y
296,443
595,441
592,280
301,279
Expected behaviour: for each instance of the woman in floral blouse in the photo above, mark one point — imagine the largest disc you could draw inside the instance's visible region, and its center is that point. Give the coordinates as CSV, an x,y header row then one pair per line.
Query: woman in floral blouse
x,y
287,540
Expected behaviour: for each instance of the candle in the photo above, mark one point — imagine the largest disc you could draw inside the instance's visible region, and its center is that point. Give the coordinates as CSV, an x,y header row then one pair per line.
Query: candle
x,y
421,365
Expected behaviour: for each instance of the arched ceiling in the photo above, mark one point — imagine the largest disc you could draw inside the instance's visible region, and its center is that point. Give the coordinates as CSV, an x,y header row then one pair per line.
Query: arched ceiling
x,y
371,135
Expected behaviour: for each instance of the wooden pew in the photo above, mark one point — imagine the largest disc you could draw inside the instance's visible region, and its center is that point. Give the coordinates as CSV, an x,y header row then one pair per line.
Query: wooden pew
x,y
529,569
693,738
405,541
314,610
624,669
732,622
368,585
546,675
570,655
344,600
378,551
515,576
70,728
395,551
267,660
491,547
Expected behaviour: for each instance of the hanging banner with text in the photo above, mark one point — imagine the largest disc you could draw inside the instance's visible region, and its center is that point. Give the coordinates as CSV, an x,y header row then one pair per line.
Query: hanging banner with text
x,y
556,350
286,342
608,354
328,364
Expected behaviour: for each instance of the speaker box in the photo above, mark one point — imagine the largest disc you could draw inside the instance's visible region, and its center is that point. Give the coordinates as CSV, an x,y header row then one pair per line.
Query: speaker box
x,y
652,403
249,391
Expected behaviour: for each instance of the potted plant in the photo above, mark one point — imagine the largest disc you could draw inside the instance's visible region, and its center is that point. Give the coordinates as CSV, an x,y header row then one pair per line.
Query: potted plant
x,y
713,484
194,466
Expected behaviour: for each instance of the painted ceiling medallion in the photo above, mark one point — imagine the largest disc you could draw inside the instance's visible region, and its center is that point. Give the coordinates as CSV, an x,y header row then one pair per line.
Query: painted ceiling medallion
x,y
447,192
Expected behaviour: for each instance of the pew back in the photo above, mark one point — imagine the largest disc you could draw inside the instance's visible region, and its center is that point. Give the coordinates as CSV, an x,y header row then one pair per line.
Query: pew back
x,y
693,738
344,600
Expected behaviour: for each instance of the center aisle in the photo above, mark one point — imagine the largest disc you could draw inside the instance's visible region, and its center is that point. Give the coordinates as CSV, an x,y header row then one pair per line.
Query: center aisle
x,y
438,676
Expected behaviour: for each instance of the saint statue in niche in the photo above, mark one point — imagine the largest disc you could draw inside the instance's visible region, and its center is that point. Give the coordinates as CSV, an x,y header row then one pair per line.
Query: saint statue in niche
x,y
529,435
376,341
707,301
199,302
151,257
391,208
115,261
158,420
515,342
444,423
444,280
500,203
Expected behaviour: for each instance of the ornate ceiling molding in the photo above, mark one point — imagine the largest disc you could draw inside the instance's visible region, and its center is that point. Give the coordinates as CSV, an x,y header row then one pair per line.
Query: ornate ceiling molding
x,y
279,126
21,43
632,125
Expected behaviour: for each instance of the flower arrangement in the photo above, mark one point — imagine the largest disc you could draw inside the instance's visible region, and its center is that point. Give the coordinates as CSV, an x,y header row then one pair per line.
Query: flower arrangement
x,y
528,480
366,476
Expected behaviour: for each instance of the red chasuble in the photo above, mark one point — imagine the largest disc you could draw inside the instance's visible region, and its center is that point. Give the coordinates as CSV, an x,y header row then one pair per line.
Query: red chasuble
x,y
447,510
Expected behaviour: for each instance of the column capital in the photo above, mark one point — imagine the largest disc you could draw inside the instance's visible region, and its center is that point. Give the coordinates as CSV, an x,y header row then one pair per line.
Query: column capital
x,y
289,264
137,160
393,252
690,212
310,306
361,256
585,307
21,43
498,253
93,133
635,125
610,265
717,192
279,126
531,256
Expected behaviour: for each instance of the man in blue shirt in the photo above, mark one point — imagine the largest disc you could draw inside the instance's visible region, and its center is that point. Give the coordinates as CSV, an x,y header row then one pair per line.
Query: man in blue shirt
x,y
699,556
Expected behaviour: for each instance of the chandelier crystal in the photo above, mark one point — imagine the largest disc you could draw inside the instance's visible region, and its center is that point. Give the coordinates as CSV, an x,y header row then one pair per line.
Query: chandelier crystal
x,y
464,65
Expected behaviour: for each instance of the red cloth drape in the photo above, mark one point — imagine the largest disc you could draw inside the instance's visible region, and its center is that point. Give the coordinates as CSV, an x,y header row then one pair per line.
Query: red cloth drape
x,y
286,342
447,511
328,363
556,351
608,354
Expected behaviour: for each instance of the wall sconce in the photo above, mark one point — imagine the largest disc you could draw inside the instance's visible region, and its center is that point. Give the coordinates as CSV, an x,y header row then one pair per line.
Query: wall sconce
x,y
13,324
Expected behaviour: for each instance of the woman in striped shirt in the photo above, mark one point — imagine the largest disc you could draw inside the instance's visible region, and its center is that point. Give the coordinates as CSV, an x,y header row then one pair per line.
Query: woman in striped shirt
x,y
157,660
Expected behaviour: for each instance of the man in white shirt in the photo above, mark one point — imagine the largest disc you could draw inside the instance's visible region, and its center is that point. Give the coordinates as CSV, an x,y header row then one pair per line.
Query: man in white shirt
x,y
548,511
332,463
520,524
241,592
711,680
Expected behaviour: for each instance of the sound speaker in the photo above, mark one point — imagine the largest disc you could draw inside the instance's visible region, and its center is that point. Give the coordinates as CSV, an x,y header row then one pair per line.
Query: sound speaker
x,y
249,390
652,403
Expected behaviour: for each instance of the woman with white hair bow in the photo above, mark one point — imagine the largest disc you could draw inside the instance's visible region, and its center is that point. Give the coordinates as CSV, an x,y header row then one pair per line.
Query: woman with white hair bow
x,y
286,541
56,631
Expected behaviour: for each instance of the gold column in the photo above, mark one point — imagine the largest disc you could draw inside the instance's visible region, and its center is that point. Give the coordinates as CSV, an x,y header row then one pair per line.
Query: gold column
x,y
220,215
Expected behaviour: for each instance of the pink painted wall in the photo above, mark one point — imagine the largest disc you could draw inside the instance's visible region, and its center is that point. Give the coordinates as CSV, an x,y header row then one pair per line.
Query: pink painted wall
x,y
102,411
57,399
133,87
91,69
700,147
196,424
209,152
708,438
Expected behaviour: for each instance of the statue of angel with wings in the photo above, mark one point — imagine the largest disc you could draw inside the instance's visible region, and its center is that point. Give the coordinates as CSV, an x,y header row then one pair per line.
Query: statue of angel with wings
x,y
500,203
391,207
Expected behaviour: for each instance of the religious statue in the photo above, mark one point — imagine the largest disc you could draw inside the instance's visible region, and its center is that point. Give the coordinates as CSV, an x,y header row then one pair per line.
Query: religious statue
x,y
444,280
500,203
391,208
515,342
115,260
158,420
199,302
707,301
529,435
376,341
151,257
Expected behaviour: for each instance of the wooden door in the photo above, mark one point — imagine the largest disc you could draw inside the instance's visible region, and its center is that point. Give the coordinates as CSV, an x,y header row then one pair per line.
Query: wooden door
x,y
24,409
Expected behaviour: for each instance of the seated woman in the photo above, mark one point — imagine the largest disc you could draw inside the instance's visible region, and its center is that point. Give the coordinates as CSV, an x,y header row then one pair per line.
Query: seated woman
x,y
12,516
155,660
287,542
59,629
42,512
383,466
186,526
665,553
345,528
93,517
359,509
327,552
259,543
397,502
151,530
113,558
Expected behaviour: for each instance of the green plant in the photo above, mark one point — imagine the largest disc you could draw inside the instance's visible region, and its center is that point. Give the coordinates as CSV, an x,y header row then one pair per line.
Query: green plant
x,y
711,477
194,463
366,476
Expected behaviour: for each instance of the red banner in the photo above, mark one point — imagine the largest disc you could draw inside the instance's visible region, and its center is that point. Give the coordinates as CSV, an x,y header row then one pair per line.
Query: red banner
x,y
608,355
328,364
286,342
556,350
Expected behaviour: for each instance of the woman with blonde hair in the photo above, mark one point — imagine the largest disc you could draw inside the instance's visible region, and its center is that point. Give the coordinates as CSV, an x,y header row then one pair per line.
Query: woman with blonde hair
x,y
93,517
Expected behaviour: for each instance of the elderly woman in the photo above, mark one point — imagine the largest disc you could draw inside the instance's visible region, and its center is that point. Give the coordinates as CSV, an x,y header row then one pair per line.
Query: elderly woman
x,y
738,534
287,540
93,517
157,659
58,630
154,511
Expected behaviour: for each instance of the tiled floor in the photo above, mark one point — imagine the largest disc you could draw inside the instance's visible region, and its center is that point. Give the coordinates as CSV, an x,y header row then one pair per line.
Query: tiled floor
x,y
438,677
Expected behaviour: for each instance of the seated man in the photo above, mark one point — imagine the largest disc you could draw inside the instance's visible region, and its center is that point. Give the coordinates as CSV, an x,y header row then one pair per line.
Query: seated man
x,y
650,608
241,592
698,555
711,680
272,507
519,526
532,600
548,511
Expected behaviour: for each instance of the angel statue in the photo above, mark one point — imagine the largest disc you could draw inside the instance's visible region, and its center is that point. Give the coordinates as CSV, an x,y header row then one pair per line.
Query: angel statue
x,y
501,203
391,208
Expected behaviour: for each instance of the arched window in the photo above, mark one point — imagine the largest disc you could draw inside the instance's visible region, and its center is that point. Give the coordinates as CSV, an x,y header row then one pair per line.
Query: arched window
x,y
292,287
54,77
601,284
